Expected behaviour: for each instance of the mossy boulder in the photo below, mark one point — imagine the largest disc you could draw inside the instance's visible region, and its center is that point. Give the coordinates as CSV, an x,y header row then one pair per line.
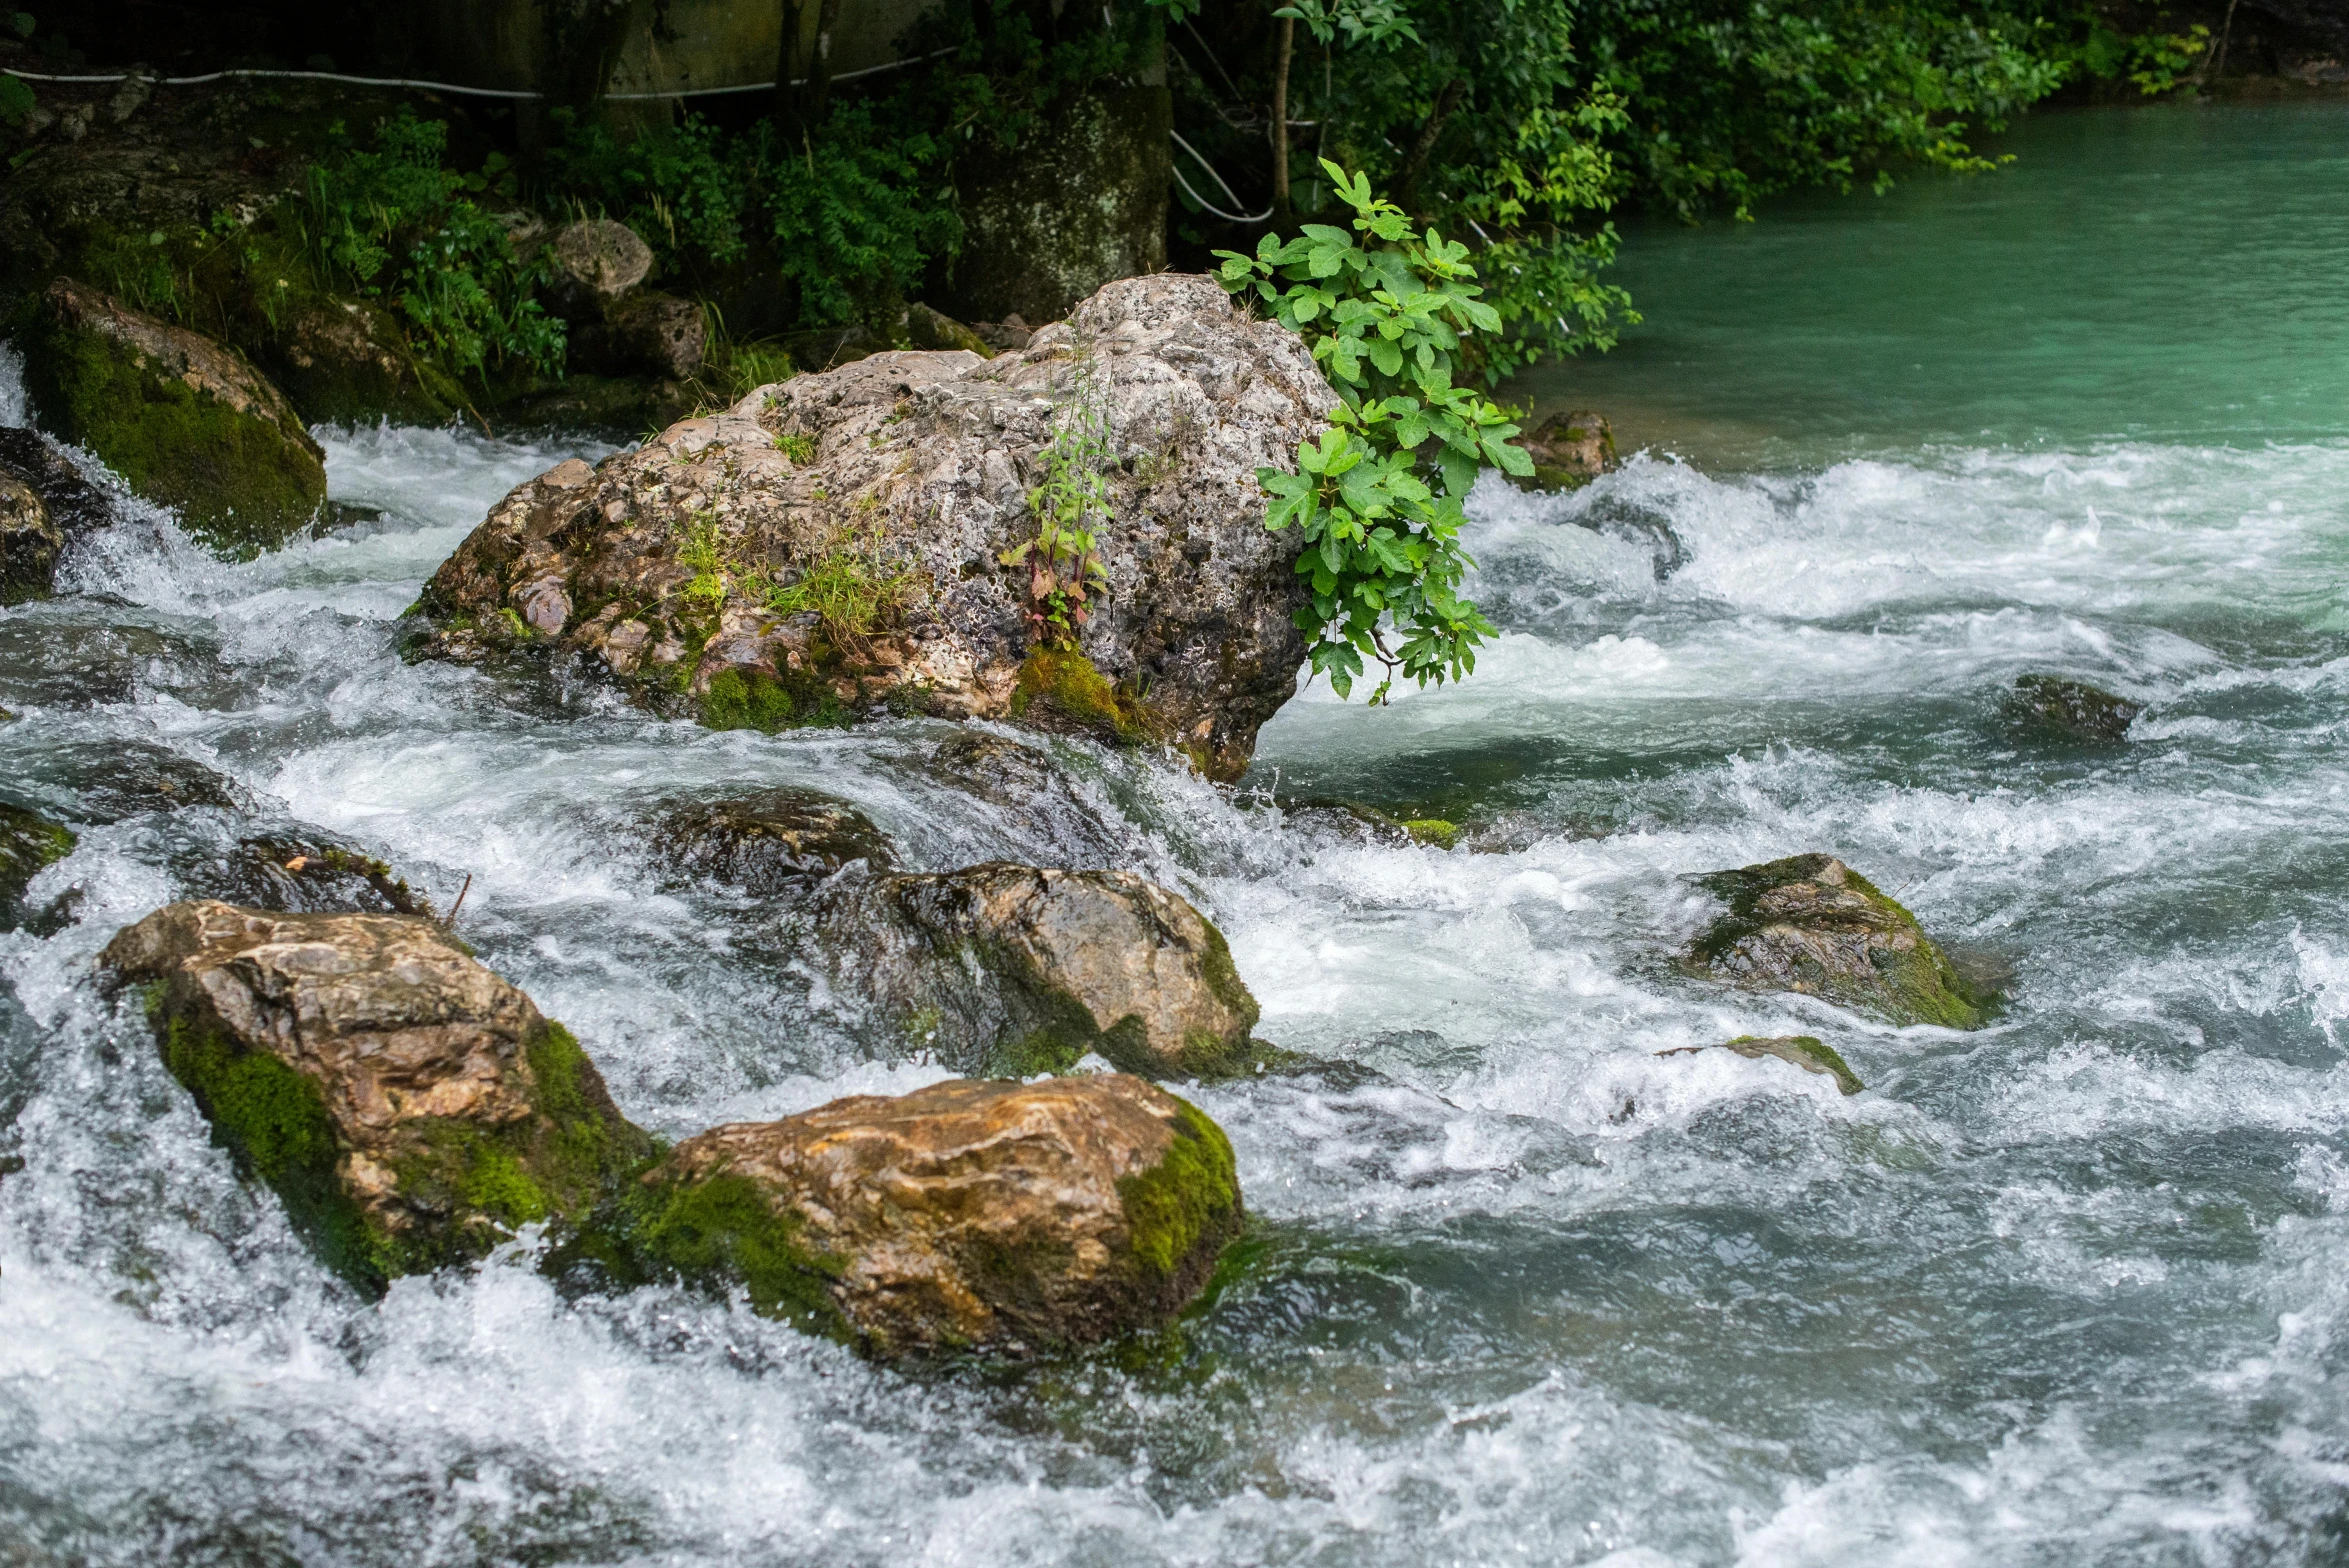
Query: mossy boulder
x,y
29,541
966,1216
28,843
187,422
1811,924
771,844
305,873
2059,708
1807,1052
346,361
410,1108
1013,970
837,541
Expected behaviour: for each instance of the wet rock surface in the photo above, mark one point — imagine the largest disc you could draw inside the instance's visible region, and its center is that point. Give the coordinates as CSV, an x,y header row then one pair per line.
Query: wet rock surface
x,y
346,361
771,844
1004,969
29,843
916,466
2059,708
1812,925
44,502
186,421
1807,1052
410,1108
1569,450
964,1216
1037,800
306,874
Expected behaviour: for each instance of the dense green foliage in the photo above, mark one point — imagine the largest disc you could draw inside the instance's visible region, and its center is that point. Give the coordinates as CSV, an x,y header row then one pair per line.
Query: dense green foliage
x,y
393,221
1389,322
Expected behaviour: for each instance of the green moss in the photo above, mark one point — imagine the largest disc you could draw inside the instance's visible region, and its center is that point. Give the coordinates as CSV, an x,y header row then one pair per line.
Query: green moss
x,y
1188,1202
1434,832
273,1122
28,842
1803,1050
239,483
515,627
746,700
1065,684
726,1229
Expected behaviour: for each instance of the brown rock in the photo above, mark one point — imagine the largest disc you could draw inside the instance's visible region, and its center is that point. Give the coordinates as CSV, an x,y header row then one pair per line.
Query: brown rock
x,y
410,1107
646,334
963,1216
347,361
1568,450
915,468
29,541
772,844
1013,970
590,265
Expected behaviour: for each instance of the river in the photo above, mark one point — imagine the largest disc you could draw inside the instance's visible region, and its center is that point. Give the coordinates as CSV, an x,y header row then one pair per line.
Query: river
x,y
2064,1291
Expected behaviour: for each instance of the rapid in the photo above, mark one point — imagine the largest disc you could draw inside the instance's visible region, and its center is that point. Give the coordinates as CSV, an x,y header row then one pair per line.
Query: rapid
x,y
2067,1290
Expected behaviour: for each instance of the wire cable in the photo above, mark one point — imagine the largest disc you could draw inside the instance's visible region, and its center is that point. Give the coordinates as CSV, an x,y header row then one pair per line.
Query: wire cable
x,y
1231,195
452,87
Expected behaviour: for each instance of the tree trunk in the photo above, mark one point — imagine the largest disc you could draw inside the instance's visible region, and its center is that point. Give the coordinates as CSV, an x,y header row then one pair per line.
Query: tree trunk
x,y
1280,116
803,66
1415,163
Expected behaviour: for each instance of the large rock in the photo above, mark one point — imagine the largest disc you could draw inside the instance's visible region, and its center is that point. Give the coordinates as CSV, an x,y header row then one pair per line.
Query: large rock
x,y
1004,969
914,469
1569,450
964,1216
411,1108
187,422
648,333
1811,924
44,502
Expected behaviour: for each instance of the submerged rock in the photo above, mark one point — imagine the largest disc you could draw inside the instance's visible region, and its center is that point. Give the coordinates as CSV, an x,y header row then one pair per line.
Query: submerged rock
x,y
28,843
964,1216
1032,798
2072,710
834,543
1813,925
44,502
1568,451
771,844
1012,970
410,1107
186,421
1807,1052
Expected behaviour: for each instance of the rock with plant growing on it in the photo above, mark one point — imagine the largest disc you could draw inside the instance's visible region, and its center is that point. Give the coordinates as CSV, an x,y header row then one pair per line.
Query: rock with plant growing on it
x,y
409,1107
186,421
966,1216
1014,970
29,844
833,546
772,843
1812,925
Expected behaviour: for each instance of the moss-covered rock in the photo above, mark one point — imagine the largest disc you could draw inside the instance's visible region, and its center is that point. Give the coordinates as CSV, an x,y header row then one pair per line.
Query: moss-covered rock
x,y
346,361
410,1108
1434,832
2059,708
1005,969
1807,1052
1061,689
1811,924
186,421
28,842
965,1216
307,873
1569,450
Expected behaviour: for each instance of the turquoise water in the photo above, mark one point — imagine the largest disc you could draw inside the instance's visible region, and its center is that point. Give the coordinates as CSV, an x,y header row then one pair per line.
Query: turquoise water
x,y
2065,1291
2172,274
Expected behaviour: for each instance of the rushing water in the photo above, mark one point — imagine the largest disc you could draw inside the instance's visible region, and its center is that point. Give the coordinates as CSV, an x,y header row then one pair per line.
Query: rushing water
x,y
2068,1290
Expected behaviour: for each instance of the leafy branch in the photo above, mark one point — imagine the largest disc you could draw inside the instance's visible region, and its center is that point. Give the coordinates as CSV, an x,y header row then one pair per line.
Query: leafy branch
x,y
1064,559
1387,321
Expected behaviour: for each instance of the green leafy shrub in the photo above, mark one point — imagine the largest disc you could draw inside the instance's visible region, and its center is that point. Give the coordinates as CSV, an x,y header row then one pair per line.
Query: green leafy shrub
x,y
394,223
2161,63
1388,322
1064,559
853,586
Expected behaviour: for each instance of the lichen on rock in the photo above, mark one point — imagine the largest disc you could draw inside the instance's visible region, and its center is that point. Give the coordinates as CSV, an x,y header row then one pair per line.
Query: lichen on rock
x,y
411,1108
1005,969
1811,924
667,565
966,1216
186,421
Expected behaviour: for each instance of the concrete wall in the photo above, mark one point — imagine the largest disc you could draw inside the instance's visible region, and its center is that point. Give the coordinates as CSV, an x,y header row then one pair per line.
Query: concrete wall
x,y
717,43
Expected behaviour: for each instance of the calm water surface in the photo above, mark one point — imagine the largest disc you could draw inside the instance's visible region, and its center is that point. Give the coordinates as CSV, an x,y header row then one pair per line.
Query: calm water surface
x,y
2066,1291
